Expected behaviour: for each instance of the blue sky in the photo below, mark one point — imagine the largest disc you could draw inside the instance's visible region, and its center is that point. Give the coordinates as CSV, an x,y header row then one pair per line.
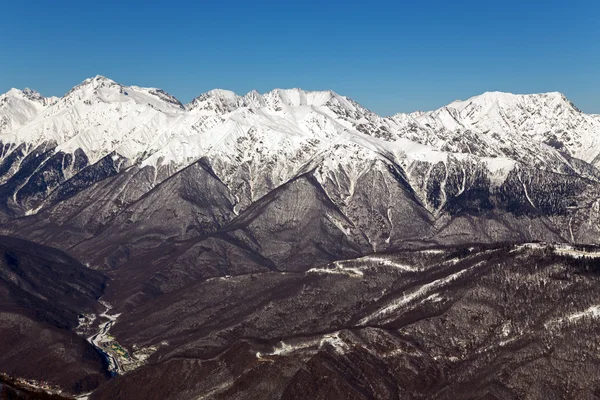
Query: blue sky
x,y
390,56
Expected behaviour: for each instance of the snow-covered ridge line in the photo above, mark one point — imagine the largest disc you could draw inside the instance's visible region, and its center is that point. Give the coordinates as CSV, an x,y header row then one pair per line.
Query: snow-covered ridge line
x,y
484,112
274,136
494,121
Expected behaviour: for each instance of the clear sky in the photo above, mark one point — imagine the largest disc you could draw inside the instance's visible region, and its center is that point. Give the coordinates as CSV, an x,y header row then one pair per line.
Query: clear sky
x,y
390,56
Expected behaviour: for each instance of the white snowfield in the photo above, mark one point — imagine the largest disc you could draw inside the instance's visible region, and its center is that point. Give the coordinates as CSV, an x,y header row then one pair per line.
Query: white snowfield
x,y
18,107
505,119
267,139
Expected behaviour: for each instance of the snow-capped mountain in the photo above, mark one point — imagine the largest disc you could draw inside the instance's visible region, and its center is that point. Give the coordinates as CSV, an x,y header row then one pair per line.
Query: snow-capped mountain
x,y
100,116
271,229
492,152
17,108
504,124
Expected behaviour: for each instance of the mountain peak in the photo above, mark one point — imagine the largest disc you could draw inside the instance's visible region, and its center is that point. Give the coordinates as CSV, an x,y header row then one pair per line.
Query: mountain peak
x,y
222,93
94,83
100,78
19,107
30,95
223,101
13,92
106,90
296,97
254,99
488,99
33,95
216,101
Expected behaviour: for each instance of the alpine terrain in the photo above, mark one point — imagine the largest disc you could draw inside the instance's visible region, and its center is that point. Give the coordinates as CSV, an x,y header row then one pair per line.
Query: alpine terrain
x,y
294,245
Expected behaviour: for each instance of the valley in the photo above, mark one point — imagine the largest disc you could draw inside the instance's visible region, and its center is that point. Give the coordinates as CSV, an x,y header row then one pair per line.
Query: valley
x,y
293,244
119,359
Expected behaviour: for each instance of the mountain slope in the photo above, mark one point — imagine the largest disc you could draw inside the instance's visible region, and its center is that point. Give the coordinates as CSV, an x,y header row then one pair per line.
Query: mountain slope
x,y
261,241
495,152
44,294
483,322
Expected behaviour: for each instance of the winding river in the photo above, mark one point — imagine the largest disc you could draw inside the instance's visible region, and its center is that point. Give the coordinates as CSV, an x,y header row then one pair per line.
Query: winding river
x,y
101,336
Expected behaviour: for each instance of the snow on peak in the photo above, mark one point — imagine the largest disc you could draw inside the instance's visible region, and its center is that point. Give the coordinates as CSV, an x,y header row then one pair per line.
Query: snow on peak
x,y
29,94
100,89
99,79
221,102
96,82
505,100
32,94
266,139
18,107
100,116
297,97
13,93
158,93
253,99
89,87
506,125
216,101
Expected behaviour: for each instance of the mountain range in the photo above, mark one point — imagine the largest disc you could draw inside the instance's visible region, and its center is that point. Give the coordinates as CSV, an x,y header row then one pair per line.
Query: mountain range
x,y
214,221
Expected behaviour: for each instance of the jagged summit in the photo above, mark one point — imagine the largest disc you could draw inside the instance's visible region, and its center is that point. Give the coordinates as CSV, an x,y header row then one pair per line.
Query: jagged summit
x,y
297,97
28,94
254,99
94,82
32,94
504,99
101,116
108,90
501,98
19,107
13,92
221,100
216,101
506,124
